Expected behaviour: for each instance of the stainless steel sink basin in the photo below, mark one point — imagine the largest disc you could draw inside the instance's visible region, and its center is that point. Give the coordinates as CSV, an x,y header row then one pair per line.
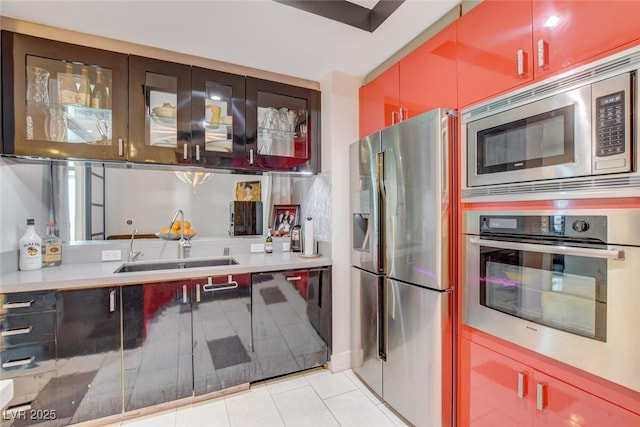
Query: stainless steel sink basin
x,y
129,267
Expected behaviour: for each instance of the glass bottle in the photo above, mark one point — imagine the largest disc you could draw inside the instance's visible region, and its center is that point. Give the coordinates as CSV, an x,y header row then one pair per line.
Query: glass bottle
x,y
51,248
30,248
68,90
268,247
84,92
99,95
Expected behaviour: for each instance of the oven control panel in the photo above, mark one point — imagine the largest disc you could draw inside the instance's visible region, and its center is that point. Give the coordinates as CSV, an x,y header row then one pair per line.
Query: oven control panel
x,y
560,226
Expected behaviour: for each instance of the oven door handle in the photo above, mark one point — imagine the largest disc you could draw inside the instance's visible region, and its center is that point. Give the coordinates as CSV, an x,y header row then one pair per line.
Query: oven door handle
x,y
615,254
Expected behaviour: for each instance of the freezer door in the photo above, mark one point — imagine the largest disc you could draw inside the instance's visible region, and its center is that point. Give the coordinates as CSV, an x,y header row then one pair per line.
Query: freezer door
x,y
366,290
365,206
417,374
416,199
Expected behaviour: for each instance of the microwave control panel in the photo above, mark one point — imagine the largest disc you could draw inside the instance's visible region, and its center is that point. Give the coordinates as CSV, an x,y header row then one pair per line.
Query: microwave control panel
x,y
610,124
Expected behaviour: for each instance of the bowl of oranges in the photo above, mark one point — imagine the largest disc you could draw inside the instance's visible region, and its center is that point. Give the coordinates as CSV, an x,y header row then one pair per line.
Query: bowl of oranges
x,y
174,232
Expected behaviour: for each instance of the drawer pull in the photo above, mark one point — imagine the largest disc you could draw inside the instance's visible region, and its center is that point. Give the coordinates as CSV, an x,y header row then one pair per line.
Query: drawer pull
x,y
17,331
294,278
521,384
221,287
18,304
540,397
19,362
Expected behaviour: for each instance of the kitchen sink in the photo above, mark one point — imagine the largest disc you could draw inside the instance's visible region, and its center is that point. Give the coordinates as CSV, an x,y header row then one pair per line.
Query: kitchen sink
x,y
129,267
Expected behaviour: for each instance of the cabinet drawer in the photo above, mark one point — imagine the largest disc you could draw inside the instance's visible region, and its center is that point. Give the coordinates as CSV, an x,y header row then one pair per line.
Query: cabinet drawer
x,y
30,392
27,328
18,361
27,302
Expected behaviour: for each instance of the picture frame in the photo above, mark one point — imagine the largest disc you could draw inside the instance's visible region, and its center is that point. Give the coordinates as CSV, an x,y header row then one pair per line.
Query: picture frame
x,y
248,191
285,217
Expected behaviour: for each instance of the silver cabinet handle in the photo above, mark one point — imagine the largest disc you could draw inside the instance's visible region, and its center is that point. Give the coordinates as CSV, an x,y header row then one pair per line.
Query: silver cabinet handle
x,y
197,152
185,298
543,54
185,152
121,147
251,156
210,287
20,362
112,301
614,254
198,292
17,331
294,278
394,120
522,63
521,384
19,304
540,404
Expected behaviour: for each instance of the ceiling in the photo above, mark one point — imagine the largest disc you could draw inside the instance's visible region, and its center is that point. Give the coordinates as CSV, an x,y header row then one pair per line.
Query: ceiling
x,y
261,34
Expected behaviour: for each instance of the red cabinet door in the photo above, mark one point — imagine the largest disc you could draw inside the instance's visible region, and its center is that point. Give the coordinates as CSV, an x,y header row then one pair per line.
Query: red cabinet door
x,y
560,404
489,384
574,31
379,101
490,37
428,75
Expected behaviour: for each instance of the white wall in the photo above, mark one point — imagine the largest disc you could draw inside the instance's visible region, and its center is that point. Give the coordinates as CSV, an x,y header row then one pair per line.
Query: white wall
x,y
339,130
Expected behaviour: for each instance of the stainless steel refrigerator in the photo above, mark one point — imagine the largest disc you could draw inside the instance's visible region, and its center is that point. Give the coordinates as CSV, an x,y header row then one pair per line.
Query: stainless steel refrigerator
x,y
402,341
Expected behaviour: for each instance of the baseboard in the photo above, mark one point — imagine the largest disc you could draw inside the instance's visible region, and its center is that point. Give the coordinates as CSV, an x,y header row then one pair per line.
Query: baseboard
x,y
340,362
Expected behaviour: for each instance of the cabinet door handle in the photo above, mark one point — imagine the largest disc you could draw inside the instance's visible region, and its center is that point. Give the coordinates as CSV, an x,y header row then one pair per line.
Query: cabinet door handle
x,y
540,403
543,54
185,299
112,301
19,362
121,147
197,152
18,304
198,292
251,156
17,331
185,152
294,278
403,115
522,378
394,114
522,63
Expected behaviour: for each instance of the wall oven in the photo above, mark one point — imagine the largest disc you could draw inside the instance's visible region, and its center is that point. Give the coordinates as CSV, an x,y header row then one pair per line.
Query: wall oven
x,y
561,283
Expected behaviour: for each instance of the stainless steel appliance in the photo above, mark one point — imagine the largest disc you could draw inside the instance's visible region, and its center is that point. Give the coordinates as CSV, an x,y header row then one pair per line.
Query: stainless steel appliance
x,y
578,126
245,218
560,283
401,294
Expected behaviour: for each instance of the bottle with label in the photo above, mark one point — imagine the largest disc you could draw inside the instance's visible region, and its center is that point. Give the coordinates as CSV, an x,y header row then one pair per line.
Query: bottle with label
x,y
51,248
268,247
84,91
30,248
68,90
99,95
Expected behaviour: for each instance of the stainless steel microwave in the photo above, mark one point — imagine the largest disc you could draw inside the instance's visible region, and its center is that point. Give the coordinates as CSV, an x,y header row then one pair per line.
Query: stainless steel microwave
x,y
578,125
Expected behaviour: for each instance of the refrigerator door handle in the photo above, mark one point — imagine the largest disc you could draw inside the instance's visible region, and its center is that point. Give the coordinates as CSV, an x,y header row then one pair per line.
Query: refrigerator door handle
x,y
382,193
382,320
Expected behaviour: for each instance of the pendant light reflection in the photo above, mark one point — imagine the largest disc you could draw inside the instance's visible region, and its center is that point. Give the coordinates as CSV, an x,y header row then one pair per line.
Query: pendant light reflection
x,y
194,178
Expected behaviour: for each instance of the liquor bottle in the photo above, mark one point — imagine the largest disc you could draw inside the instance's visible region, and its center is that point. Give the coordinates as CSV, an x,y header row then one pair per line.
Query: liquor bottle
x,y
68,90
30,248
99,95
268,247
51,248
84,92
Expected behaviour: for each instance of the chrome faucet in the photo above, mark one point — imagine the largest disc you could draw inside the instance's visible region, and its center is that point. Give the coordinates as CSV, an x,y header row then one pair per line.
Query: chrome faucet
x,y
183,244
132,254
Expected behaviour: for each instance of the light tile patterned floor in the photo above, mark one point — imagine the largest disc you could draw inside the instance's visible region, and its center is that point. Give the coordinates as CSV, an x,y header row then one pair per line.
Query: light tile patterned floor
x,y
313,398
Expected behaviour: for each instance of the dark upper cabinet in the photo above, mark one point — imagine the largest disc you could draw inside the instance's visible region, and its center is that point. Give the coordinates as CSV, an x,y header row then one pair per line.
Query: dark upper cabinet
x,y
282,127
159,111
217,118
62,100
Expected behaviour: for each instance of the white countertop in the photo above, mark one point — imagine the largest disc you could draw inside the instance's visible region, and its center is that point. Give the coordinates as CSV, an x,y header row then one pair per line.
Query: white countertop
x,y
70,276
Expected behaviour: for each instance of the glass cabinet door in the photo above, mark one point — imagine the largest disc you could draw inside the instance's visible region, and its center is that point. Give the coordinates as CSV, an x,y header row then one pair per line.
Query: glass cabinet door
x,y
217,111
159,111
62,100
282,126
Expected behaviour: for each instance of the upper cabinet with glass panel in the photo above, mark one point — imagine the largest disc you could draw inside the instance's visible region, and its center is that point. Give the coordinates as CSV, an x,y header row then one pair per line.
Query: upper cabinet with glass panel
x,y
62,100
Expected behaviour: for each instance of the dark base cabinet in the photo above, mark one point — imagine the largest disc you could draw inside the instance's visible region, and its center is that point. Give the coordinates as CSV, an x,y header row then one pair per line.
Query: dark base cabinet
x,y
221,332
291,321
157,335
89,379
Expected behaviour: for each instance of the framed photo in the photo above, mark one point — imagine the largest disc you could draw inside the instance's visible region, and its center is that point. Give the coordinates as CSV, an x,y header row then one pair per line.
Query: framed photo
x,y
284,218
248,191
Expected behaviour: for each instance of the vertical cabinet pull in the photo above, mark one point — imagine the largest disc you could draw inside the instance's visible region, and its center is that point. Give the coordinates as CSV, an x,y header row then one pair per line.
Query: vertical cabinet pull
x,y
197,152
185,298
185,152
198,292
121,147
543,54
522,383
540,398
112,301
522,63
394,120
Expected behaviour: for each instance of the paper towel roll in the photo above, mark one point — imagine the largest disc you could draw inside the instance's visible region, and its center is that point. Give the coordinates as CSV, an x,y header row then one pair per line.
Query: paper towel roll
x,y
308,236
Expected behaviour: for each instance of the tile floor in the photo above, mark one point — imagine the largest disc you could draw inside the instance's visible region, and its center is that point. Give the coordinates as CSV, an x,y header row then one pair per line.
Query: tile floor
x,y
313,398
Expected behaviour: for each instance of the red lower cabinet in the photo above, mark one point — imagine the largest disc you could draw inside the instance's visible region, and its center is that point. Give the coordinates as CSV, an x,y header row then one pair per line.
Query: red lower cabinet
x,y
495,390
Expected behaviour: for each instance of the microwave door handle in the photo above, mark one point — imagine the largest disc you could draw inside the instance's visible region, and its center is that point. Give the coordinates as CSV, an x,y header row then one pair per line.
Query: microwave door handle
x,y
614,254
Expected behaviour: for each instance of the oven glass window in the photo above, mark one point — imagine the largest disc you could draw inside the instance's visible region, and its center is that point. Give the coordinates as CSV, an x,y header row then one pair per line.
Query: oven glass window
x,y
561,291
541,140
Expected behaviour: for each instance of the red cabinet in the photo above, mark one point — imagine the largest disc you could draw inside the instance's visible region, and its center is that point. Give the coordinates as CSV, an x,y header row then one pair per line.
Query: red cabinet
x,y
380,101
497,390
428,75
568,32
